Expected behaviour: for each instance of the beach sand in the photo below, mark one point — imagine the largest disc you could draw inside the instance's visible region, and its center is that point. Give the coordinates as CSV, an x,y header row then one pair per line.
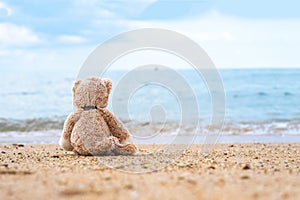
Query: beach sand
x,y
229,171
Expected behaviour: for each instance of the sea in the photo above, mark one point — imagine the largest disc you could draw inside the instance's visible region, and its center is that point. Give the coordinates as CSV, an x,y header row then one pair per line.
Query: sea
x,y
260,105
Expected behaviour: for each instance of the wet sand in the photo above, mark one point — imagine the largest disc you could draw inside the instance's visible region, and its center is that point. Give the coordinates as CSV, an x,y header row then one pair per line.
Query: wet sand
x,y
229,171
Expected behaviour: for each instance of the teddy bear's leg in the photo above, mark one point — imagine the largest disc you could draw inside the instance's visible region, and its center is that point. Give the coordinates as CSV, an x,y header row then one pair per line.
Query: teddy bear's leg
x,y
110,146
126,149
104,147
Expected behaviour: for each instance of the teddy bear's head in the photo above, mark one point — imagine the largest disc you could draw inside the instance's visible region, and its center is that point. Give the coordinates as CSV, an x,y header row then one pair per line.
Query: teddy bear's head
x,y
91,92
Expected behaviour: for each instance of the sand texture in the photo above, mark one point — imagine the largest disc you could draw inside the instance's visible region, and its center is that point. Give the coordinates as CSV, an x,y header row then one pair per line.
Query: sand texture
x,y
230,171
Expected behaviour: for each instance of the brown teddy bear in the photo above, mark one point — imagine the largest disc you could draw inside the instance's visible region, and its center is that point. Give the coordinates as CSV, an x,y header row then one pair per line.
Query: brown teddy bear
x,y
91,129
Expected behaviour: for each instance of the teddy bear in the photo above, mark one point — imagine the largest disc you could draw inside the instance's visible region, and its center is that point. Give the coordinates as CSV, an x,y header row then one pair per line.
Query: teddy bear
x,y
92,129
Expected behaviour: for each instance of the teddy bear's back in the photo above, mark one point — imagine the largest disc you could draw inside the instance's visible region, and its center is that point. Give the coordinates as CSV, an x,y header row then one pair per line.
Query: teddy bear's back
x,y
88,130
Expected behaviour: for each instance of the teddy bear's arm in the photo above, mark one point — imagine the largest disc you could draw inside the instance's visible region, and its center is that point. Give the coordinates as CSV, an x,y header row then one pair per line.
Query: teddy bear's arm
x,y
66,134
116,127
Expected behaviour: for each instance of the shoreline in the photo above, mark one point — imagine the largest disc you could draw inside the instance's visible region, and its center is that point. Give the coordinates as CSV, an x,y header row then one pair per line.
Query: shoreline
x,y
51,138
229,171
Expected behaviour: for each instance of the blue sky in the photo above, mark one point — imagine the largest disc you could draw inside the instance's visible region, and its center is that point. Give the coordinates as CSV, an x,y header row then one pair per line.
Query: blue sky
x,y
235,34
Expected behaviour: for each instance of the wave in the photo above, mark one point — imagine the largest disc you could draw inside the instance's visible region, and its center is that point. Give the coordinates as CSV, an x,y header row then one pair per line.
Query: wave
x,y
270,127
262,94
276,127
30,125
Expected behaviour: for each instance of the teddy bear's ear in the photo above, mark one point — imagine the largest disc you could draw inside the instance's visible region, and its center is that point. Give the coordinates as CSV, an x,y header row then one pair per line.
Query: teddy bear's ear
x,y
108,84
76,83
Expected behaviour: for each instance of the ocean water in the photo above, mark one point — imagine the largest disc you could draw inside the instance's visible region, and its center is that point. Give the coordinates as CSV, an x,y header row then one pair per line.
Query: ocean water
x,y
35,103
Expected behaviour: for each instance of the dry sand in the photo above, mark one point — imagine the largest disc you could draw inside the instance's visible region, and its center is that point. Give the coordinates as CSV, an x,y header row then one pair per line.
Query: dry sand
x,y
239,171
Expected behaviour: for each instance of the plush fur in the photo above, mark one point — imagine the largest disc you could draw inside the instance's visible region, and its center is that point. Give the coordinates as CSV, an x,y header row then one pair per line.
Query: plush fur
x,y
91,129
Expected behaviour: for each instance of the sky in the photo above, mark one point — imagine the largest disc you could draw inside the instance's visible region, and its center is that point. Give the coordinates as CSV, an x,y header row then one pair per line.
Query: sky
x,y
60,34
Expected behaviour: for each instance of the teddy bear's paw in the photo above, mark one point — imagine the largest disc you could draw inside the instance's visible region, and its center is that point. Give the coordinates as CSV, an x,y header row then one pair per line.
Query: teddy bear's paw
x,y
114,140
127,149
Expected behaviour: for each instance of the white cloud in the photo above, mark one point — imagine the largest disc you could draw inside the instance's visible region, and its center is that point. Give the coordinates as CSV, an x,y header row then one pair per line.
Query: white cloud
x,y
14,35
4,52
237,42
66,59
231,42
7,9
100,10
71,39
106,13
208,36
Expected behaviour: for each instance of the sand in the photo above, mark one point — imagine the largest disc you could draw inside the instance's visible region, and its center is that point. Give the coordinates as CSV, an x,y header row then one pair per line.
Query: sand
x,y
229,171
